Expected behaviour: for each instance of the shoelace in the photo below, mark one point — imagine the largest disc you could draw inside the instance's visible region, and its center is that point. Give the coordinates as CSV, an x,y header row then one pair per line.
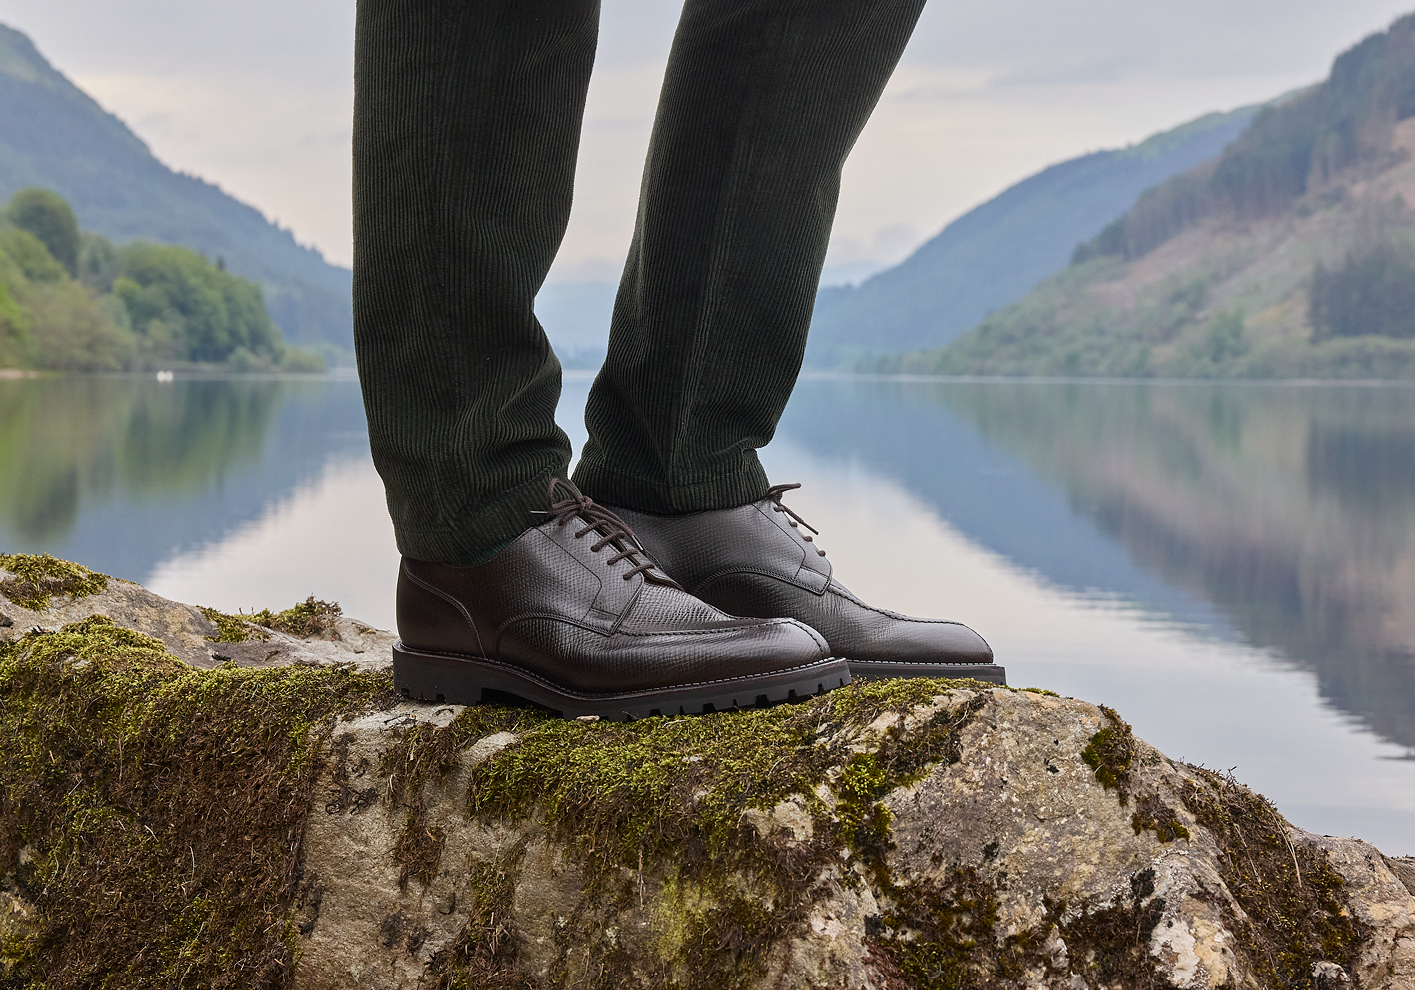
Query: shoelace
x,y
775,493
613,531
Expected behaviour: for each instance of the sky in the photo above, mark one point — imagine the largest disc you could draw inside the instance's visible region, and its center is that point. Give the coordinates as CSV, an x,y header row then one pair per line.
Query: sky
x,y
256,97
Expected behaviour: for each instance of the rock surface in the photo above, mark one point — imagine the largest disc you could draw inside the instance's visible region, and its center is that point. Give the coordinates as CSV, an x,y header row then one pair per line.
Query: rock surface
x,y
191,636
886,836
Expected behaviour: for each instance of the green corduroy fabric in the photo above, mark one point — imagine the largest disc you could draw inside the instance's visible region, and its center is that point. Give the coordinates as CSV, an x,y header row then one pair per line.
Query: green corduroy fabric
x,y
466,127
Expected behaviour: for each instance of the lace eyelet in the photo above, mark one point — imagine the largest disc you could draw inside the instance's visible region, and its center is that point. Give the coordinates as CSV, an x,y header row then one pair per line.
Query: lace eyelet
x,y
820,553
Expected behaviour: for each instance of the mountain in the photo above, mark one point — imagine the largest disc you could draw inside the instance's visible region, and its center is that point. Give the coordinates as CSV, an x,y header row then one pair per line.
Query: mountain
x,y
1291,254
54,135
994,254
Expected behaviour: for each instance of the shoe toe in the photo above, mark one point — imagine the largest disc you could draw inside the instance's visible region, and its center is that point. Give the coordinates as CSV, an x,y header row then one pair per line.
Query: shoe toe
x,y
908,640
960,644
802,642
763,645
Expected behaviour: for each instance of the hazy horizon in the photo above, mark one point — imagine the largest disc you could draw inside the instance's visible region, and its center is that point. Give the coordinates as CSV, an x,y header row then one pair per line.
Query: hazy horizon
x,y
257,99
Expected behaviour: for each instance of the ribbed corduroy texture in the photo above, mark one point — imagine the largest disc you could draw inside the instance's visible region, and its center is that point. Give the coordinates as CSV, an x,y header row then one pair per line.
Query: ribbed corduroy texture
x,y
466,127
761,104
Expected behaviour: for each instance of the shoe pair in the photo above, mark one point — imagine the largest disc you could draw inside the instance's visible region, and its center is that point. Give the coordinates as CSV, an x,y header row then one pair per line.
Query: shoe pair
x,y
579,614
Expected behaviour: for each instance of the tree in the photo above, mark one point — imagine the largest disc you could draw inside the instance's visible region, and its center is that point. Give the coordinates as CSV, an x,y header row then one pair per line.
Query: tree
x,y
189,310
1373,294
47,216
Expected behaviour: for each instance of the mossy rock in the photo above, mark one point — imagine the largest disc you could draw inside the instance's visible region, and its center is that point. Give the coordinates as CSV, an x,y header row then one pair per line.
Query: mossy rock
x,y
34,580
293,825
40,591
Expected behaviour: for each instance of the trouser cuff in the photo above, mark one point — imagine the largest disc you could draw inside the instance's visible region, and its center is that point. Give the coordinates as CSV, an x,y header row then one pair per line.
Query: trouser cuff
x,y
483,528
726,491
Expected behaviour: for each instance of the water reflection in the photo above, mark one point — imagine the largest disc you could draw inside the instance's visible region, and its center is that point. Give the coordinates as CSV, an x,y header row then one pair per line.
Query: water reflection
x,y
1290,510
61,446
116,472
1233,567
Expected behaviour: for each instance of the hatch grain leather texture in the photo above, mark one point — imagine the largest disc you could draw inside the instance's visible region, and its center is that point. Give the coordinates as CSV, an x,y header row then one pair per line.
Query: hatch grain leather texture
x,y
756,560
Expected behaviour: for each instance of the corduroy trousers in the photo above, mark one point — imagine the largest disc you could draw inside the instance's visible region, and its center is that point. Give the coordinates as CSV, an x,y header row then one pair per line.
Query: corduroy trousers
x,y
467,119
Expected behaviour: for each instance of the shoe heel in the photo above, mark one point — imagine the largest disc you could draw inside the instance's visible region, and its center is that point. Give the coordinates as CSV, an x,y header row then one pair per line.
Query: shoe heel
x,y
420,677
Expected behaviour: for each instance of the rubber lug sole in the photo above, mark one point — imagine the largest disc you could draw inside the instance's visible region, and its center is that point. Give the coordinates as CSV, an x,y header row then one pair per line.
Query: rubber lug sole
x,y
460,680
883,669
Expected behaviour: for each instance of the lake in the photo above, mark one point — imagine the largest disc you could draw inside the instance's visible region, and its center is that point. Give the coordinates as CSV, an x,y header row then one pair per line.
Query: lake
x,y
1230,566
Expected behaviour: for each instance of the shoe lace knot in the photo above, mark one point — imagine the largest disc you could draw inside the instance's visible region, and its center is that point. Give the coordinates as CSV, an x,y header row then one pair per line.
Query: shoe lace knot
x,y
612,531
775,493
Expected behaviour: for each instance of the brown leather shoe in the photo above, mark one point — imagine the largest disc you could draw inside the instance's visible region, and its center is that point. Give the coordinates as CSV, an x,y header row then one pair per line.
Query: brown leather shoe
x,y
573,616
756,560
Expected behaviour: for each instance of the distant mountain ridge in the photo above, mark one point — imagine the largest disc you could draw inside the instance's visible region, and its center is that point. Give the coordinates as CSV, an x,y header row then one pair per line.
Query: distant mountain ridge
x,y
995,253
1289,255
54,135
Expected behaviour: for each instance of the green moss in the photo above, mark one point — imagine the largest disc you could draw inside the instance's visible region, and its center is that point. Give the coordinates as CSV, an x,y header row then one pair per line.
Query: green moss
x,y
1153,814
941,935
310,617
39,577
671,793
863,818
945,935
483,956
231,628
1043,691
1110,753
1111,946
1295,908
161,808
900,758
425,753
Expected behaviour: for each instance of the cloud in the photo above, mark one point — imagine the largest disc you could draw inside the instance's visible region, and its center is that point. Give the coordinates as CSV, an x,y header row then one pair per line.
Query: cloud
x,y
257,97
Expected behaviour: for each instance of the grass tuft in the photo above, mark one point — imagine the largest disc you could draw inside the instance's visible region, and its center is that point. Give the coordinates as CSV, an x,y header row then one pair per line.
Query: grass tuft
x,y
306,620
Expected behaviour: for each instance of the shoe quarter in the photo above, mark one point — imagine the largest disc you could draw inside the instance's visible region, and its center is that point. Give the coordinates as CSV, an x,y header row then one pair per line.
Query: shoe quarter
x,y
601,595
801,564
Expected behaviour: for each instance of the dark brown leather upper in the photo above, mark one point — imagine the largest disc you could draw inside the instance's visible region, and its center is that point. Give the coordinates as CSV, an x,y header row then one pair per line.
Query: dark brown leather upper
x,y
552,605
752,560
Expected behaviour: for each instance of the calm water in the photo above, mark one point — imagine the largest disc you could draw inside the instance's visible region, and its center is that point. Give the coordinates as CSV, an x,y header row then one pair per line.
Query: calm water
x,y
1232,566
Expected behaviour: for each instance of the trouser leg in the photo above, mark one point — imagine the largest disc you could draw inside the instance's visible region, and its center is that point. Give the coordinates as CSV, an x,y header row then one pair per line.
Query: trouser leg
x,y
761,103
466,127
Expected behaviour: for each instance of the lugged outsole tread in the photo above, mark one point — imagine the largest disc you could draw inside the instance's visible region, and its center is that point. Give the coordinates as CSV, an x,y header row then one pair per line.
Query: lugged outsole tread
x,y
884,669
448,679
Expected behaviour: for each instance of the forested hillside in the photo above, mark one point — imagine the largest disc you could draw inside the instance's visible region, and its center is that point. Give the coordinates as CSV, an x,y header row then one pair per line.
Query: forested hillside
x,y
994,254
1292,254
53,135
73,301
